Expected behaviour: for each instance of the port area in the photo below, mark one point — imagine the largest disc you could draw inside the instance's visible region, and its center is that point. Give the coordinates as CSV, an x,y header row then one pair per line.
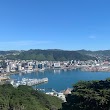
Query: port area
x,y
28,82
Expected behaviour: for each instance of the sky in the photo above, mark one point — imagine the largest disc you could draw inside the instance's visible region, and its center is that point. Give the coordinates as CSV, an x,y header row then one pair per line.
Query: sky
x,y
55,24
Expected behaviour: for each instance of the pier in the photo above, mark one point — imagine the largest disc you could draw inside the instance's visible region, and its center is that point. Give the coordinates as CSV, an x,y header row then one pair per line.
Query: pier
x,y
29,82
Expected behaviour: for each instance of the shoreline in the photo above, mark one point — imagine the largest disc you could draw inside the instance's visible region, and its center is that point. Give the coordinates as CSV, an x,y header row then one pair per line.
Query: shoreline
x,y
42,70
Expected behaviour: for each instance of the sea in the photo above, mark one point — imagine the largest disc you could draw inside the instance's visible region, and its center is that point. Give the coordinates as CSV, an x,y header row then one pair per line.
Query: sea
x,y
59,80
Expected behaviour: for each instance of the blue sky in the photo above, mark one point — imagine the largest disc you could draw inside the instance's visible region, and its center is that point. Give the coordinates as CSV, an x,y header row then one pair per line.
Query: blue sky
x,y
54,24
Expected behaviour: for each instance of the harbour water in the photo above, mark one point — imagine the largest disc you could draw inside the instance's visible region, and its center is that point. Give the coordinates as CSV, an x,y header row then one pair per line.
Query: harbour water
x,y
60,79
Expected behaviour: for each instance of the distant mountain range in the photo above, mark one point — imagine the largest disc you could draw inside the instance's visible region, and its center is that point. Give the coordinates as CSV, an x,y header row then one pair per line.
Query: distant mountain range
x,y
55,54
9,52
50,55
100,54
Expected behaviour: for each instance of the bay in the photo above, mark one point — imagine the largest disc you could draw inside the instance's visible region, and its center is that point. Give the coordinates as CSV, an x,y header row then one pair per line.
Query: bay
x,y
60,79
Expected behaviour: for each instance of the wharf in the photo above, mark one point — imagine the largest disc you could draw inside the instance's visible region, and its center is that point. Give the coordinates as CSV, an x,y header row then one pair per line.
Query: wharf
x,y
29,82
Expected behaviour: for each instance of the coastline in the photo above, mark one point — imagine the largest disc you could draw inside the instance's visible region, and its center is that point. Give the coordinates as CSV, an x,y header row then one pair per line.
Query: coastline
x,y
41,70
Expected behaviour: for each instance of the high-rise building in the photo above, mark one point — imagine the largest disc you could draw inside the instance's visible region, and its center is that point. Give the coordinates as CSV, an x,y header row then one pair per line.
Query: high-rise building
x,y
8,69
19,67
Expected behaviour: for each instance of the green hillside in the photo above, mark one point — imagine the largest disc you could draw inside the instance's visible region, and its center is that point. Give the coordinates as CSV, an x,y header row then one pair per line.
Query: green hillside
x,y
50,55
102,54
25,98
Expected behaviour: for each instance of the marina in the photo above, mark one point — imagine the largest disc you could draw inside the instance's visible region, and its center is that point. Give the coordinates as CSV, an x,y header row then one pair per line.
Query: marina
x,y
28,82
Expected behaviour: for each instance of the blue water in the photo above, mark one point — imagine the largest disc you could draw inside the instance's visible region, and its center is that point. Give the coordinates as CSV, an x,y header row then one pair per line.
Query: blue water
x,y
60,79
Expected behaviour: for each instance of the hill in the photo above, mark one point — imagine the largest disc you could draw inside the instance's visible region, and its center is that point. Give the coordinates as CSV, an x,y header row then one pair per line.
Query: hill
x,y
50,55
10,52
89,95
101,54
55,54
25,98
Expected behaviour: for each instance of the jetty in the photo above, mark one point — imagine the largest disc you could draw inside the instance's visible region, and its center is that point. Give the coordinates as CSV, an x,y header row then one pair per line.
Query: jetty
x,y
29,82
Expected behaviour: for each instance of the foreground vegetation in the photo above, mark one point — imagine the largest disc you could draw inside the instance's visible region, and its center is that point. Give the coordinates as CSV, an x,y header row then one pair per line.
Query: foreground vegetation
x,y
91,95
25,98
86,95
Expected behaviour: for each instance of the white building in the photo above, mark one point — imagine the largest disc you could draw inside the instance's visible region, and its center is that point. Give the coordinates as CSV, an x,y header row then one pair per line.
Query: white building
x,y
57,65
19,67
8,69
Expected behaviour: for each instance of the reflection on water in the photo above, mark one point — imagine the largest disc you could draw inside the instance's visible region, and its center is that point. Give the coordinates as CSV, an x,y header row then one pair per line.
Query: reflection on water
x,y
57,71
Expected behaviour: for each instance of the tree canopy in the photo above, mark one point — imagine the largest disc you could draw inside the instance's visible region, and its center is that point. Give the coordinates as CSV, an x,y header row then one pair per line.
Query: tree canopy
x,y
25,98
89,95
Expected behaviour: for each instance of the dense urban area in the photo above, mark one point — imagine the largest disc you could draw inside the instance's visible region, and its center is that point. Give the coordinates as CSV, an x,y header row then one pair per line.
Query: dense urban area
x,y
11,66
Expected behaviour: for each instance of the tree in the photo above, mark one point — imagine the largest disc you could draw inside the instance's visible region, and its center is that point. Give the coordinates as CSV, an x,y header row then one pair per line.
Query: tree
x,y
25,98
89,95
